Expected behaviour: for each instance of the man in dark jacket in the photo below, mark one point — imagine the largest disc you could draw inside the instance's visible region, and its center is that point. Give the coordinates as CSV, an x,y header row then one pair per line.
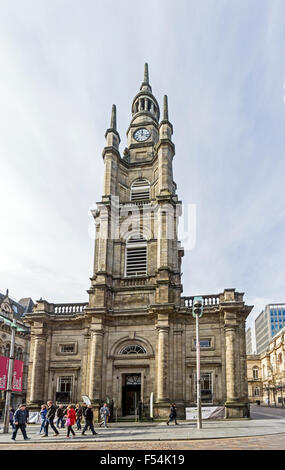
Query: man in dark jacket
x,y
88,415
172,415
20,420
60,412
49,419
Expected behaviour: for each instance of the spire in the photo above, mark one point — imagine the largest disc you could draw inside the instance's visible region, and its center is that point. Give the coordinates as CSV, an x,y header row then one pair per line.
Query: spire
x,y
113,124
165,127
146,78
145,84
165,108
112,135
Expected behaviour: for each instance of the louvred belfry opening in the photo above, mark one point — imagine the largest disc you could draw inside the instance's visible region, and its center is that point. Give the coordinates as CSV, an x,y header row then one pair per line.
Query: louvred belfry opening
x,y
136,256
140,190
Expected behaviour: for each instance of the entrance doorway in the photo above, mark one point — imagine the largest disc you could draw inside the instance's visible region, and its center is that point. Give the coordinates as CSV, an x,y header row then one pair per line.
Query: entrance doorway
x,y
131,394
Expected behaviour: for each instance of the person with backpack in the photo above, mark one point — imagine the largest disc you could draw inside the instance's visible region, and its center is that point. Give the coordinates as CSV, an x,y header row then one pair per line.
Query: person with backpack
x,y
88,415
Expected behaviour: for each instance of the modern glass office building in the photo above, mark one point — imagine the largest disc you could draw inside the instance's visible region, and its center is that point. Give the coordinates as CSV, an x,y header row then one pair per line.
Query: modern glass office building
x,y
267,324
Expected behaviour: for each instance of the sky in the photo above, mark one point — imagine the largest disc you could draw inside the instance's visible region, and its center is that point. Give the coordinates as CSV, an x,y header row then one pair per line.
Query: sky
x,y
221,63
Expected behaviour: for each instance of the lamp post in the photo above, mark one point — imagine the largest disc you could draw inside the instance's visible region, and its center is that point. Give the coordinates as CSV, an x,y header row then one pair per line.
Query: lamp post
x,y
197,312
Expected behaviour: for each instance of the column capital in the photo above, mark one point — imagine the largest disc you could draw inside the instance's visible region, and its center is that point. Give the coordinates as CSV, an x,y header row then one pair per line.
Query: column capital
x,y
164,328
96,332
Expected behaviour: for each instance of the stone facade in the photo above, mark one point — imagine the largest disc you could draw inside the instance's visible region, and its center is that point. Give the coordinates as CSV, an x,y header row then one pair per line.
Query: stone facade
x,y
10,309
135,337
254,377
266,373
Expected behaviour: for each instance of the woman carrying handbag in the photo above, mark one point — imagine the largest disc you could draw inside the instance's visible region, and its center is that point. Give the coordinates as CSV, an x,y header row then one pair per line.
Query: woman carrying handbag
x,y
70,420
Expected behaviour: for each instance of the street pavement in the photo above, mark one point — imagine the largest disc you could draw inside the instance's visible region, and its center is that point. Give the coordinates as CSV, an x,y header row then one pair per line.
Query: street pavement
x,y
265,430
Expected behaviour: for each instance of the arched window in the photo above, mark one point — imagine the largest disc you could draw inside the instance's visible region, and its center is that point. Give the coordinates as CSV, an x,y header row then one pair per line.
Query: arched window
x,y
140,190
255,372
136,256
7,350
19,354
132,349
257,392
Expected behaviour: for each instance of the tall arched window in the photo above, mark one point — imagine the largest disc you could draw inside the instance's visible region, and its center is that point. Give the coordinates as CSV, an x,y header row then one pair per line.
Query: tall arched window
x,y
136,256
140,190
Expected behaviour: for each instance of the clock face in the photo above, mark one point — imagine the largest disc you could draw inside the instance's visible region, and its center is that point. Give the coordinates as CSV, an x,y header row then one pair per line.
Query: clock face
x,y
141,134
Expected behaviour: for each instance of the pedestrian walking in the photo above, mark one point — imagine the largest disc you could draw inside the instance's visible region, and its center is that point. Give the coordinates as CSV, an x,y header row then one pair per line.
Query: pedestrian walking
x,y
59,415
43,414
172,415
11,417
88,415
104,412
78,411
70,420
83,408
20,421
51,410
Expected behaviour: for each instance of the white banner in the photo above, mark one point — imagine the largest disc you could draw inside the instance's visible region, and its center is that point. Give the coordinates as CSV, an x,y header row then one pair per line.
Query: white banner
x,y
34,417
208,412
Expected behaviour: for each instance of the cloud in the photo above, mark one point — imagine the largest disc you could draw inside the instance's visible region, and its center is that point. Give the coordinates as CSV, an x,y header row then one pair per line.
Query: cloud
x,y
63,65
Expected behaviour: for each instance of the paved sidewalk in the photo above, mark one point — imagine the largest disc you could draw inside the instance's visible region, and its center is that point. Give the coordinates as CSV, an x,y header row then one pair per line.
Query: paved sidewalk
x,y
132,432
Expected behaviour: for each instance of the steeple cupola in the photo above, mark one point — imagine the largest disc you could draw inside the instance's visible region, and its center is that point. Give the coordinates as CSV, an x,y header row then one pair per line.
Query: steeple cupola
x,y
144,102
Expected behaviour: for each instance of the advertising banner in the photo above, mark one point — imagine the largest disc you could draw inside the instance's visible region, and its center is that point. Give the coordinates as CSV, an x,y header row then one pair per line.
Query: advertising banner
x,y
209,412
4,363
17,378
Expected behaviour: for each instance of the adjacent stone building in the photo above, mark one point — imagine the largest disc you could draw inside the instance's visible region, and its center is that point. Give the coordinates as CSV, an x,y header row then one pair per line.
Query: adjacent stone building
x,y
10,309
135,336
273,370
254,377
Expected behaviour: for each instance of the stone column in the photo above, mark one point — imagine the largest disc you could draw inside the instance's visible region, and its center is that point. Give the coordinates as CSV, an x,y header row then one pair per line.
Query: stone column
x,y
162,365
243,365
96,362
230,333
37,370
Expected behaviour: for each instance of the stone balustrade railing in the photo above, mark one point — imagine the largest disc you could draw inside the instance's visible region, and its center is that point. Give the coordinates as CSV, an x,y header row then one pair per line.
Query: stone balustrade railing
x,y
134,282
208,301
69,309
136,203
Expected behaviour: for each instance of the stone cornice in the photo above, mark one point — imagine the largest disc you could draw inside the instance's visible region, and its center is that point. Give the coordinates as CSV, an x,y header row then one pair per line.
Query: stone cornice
x,y
111,150
167,142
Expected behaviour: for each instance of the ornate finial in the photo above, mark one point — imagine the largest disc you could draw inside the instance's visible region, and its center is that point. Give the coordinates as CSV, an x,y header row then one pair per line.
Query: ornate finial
x,y
114,118
146,77
165,108
145,84
7,292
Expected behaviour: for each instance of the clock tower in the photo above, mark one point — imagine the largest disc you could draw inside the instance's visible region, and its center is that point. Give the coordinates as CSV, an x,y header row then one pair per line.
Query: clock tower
x,y
132,344
137,266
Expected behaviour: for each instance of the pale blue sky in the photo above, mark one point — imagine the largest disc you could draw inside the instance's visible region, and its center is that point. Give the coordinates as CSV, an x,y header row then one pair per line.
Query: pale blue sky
x,y
63,65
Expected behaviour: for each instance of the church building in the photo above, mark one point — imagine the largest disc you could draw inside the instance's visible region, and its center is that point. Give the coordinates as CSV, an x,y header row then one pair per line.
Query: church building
x,y
133,342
